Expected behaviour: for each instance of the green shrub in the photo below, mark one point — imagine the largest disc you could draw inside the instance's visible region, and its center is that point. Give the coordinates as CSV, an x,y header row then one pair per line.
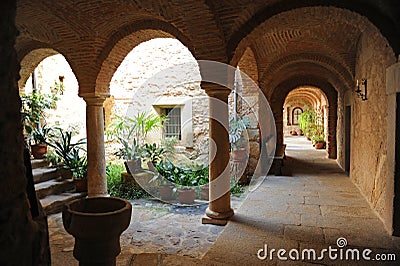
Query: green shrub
x,y
117,188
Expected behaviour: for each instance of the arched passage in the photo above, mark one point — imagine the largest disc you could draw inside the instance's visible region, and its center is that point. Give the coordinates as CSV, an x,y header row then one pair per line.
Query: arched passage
x,y
281,92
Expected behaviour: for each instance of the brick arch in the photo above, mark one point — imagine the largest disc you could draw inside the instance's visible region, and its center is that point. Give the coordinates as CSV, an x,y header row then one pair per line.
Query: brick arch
x,y
303,69
248,65
280,93
374,12
343,74
31,60
127,38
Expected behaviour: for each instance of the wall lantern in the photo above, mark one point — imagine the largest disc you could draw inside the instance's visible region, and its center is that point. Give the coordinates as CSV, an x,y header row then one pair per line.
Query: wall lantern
x,y
361,89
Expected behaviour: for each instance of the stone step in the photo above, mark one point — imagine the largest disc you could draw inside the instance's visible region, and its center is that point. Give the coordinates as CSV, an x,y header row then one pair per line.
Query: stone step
x,y
54,203
53,186
39,163
44,174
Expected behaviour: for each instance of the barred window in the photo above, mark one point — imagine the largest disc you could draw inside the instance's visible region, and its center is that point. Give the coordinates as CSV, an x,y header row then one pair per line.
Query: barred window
x,y
172,126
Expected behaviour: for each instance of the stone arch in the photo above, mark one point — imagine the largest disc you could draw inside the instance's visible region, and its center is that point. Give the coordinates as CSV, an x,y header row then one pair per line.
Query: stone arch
x,y
370,9
31,60
128,37
280,93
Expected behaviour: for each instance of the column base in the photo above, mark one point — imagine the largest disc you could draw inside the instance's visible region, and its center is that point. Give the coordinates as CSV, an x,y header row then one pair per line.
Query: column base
x,y
217,218
207,220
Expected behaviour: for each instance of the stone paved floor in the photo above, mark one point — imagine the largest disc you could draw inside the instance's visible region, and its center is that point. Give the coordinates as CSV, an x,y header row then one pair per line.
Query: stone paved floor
x,y
155,227
310,206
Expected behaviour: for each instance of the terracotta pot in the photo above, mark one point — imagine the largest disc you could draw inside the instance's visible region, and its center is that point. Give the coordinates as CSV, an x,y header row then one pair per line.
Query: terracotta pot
x,y
299,132
205,194
39,150
186,196
133,166
97,224
166,192
293,133
319,145
80,185
151,167
239,155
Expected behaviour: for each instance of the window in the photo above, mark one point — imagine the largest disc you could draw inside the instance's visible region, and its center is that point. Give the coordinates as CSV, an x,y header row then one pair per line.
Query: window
x,y
172,125
295,115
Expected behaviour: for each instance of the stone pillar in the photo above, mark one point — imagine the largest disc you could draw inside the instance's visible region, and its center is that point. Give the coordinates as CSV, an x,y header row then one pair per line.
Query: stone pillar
x,y
97,182
219,209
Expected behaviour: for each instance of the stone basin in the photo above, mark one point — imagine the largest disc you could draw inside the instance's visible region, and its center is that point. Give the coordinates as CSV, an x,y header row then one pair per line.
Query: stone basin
x,y
97,224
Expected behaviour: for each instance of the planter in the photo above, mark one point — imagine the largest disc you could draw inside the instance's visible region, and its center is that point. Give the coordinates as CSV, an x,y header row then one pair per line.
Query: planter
x,y
97,224
319,145
133,166
186,196
151,167
39,150
80,185
293,133
205,194
239,155
299,132
166,192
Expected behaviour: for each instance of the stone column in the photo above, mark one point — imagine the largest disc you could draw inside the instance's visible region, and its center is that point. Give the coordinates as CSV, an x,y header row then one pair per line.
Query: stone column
x,y
219,209
97,182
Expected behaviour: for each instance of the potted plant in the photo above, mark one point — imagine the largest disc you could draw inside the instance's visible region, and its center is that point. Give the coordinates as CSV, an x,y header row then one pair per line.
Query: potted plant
x,y
319,142
77,164
154,154
39,136
236,128
165,181
307,122
202,177
132,133
71,157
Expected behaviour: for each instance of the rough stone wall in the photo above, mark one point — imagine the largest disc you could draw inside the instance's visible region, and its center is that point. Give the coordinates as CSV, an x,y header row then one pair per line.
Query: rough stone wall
x,y
157,73
18,234
369,124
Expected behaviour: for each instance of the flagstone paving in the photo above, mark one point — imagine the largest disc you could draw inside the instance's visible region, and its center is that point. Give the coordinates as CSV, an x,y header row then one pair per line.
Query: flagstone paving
x,y
310,206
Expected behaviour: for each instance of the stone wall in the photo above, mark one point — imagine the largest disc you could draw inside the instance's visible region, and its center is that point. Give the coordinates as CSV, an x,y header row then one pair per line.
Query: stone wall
x,y
369,125
157,74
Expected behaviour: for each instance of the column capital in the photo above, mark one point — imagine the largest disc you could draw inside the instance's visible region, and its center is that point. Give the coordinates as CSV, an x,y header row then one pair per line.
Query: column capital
x,y
215,90
92,99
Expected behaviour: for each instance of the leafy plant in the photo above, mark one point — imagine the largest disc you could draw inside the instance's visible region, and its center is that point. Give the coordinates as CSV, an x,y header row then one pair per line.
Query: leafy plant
x,y
62,143
181,176
33,109
76,163
117,188
236,128
153,152
132,133
307,120
40,135
69,153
